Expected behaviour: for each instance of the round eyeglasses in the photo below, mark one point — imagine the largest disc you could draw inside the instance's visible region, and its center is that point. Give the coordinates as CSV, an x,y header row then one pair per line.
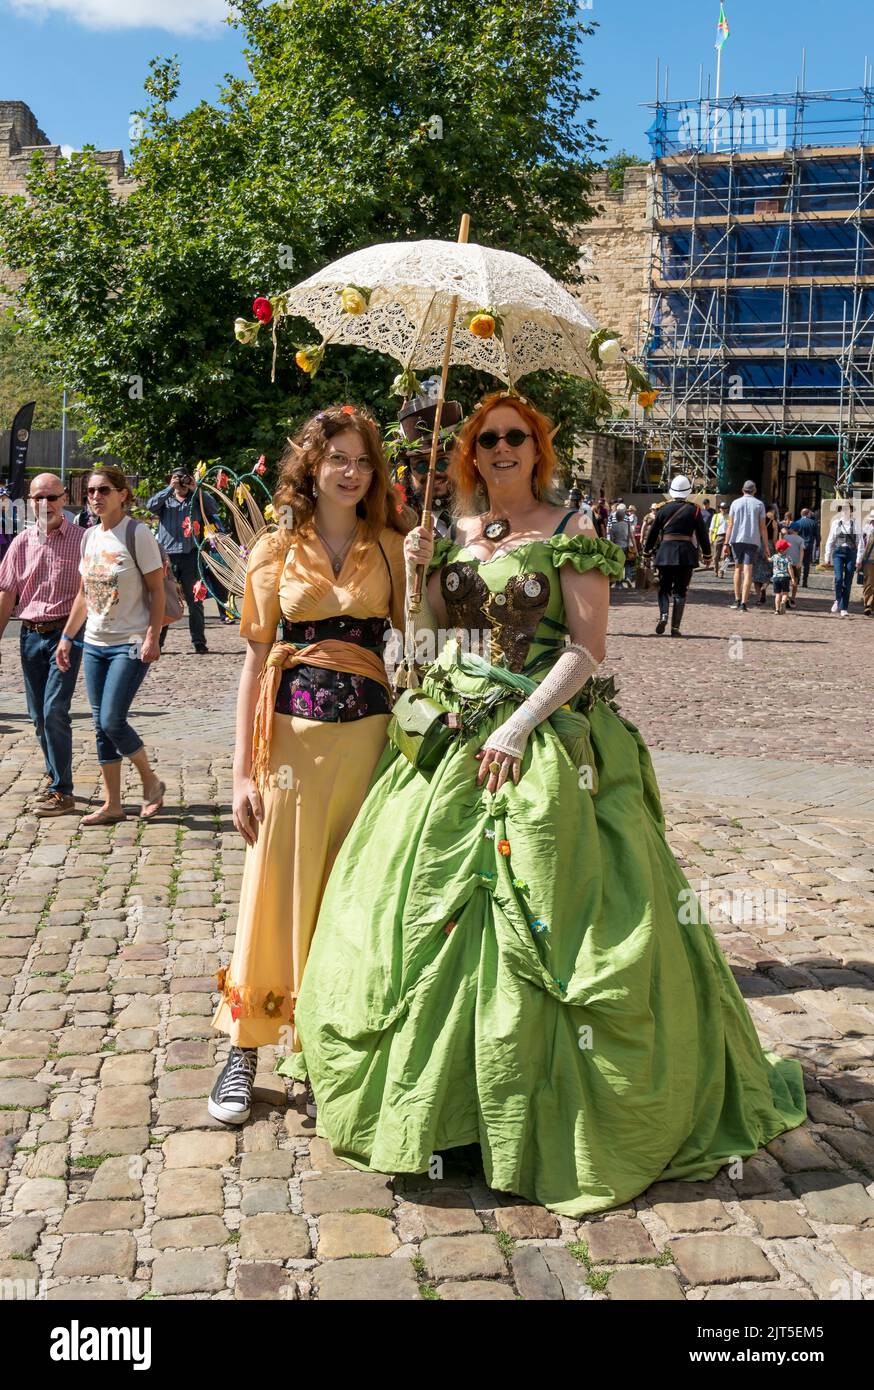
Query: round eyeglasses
x,y
421,465
489,438
338,460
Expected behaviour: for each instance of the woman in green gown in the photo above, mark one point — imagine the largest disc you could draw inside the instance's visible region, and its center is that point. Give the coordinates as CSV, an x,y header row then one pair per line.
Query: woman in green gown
x,y
507,952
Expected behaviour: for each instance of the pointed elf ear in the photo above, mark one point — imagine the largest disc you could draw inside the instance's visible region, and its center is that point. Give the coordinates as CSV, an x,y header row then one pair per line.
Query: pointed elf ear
x,y
298,448
553,432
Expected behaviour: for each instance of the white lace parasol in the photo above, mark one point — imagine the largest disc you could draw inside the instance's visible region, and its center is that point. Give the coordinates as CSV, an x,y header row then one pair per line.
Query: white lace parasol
x,y
413,283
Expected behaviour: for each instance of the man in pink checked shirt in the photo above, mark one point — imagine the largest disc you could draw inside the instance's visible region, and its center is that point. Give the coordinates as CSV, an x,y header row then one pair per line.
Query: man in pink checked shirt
x,y
39,578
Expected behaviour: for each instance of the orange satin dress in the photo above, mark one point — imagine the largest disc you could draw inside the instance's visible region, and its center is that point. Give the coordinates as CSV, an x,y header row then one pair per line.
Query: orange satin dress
x,y
318,773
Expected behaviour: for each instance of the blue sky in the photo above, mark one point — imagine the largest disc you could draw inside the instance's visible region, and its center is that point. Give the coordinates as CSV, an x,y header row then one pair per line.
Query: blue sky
x,y
80,64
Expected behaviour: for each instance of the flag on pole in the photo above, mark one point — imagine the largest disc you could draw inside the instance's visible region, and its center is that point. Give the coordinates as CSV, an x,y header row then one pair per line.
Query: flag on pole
x,y
722,29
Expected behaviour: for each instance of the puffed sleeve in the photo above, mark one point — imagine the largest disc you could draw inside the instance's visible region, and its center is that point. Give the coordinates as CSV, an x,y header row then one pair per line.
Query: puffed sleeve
x,y
588,553
261,610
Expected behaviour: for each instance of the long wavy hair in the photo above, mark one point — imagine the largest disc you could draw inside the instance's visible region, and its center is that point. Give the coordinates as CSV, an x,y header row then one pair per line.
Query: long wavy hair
x,y
294,498
471,495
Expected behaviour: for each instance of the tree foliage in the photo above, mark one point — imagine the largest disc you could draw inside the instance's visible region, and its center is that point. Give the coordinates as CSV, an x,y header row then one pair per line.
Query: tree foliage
x,y
616,166
327,144
25,375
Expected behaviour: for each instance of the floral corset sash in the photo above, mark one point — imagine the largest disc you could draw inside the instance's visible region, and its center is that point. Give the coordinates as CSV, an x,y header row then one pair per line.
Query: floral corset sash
x,y
311,692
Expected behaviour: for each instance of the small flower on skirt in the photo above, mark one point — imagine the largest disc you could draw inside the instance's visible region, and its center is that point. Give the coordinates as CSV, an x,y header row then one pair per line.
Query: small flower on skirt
x,y
273,1005
520,884
489,834
450,926
504,847
538,926
235,1012
221,976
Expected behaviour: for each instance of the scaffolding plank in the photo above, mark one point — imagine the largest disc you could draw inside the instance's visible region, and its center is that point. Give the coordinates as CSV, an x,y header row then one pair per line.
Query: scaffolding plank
x,y
722,219
771,282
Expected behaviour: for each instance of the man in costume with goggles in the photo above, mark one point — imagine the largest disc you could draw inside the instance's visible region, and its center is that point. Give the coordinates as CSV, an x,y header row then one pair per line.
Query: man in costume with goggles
x,y
416,417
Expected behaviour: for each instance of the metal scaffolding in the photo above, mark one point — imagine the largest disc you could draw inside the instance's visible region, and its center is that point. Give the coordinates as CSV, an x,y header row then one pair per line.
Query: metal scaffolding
x,y
761,286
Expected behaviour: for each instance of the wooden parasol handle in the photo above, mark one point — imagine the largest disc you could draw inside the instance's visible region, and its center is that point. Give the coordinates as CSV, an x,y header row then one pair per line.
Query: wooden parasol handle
x,y
416,596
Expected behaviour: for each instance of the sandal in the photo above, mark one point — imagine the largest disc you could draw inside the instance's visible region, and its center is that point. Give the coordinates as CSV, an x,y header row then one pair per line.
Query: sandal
x,y
102,818
156,803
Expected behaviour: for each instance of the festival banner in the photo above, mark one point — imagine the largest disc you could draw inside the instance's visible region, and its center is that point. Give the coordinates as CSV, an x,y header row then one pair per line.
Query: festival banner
x,y
18,442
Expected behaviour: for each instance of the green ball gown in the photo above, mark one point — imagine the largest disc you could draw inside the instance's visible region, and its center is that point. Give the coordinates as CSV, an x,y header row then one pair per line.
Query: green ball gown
x,y
520,969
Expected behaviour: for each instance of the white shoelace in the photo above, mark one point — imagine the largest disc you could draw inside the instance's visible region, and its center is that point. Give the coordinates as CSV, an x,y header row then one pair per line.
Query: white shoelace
x,y
240,1073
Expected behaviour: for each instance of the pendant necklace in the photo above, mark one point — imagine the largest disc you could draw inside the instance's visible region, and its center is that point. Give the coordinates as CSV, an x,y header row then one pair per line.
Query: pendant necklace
x,y
497,530
337,557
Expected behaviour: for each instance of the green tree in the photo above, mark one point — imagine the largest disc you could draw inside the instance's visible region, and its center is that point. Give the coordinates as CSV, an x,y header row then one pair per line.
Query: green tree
x,y
326,145
616,166
25,376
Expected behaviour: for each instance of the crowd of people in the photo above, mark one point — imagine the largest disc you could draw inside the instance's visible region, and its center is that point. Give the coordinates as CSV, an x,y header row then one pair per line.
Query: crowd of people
x,y
90,590
760,545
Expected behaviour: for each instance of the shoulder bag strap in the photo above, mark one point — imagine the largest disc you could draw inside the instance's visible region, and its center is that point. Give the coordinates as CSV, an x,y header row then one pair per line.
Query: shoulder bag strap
x,y
130,531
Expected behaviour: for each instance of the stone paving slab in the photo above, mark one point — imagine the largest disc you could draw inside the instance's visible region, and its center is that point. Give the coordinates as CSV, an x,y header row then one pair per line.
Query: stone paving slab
x,y
115,1183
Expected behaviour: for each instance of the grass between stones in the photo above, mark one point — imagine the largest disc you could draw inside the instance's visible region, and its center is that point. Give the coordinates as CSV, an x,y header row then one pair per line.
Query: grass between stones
x,y
664,1257
506,1244
426,1289
597,1279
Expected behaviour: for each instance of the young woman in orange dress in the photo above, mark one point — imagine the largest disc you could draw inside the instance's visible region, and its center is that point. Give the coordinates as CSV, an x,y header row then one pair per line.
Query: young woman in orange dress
x,y
312,711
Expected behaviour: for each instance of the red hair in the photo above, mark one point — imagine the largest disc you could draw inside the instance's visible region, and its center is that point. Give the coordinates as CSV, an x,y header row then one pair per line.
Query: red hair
x,y
463,472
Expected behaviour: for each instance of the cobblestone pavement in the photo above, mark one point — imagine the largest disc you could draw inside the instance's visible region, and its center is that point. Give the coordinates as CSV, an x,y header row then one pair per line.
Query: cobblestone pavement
x,y
116,1184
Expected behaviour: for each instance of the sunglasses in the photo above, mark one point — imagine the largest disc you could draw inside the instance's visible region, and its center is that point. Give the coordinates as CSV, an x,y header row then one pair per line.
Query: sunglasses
x,y
420,466
100,491
46,496
489,438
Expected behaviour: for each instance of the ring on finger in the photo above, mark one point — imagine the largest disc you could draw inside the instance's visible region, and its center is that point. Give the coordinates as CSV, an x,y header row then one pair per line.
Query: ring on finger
x,y
495,766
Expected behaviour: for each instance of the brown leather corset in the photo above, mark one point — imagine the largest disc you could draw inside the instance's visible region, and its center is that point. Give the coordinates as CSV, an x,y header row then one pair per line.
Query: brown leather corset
x,y
513,613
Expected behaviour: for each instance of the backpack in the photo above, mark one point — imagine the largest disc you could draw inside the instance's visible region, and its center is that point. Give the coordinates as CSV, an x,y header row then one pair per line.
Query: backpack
x,y
174,603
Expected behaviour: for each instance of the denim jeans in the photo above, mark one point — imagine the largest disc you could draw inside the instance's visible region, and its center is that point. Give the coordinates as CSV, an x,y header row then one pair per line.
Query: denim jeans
x,y
113,675
844,561
49,692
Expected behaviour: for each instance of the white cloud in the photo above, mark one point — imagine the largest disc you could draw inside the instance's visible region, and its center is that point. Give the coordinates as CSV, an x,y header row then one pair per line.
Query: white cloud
x,y
178,16
68,151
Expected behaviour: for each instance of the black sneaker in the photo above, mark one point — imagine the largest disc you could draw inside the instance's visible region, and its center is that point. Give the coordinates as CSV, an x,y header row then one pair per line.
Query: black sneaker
x,y
201,649
231,1097
743,608
736,603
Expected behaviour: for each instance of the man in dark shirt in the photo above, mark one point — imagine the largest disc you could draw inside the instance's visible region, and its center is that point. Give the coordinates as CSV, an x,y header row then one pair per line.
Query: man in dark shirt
x,y
676,537
808,530
171,506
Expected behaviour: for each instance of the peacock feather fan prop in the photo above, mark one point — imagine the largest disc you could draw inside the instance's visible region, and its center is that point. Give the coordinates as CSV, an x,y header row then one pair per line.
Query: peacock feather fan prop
x,y
225,532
